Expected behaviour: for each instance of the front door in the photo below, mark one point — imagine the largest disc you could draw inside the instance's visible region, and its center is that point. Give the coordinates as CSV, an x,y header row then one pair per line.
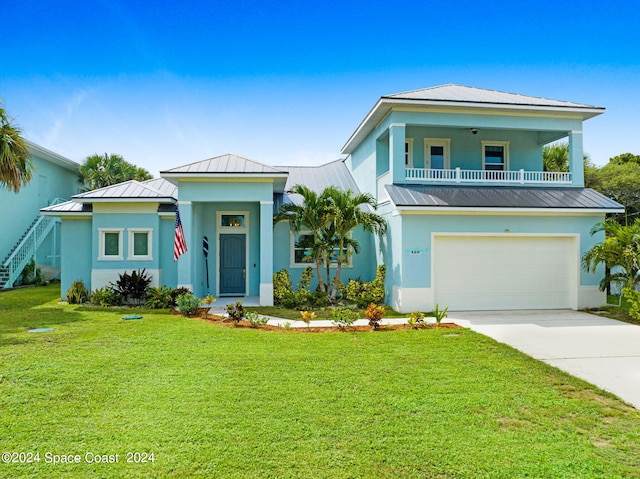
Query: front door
x,y
233,264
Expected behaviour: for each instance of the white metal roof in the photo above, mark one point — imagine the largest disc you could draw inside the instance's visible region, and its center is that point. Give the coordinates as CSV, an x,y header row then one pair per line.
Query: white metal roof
x,y
128,190
224,164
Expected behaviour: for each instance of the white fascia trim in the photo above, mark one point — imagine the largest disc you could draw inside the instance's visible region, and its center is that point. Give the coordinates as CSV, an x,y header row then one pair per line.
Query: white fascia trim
x,y
165,214
266,202
125,200
64,213
54,157
502,211
187,176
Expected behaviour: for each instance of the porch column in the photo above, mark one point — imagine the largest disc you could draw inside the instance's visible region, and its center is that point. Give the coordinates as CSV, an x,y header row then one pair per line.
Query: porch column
x,y
396,151
266,253
185,267
576,161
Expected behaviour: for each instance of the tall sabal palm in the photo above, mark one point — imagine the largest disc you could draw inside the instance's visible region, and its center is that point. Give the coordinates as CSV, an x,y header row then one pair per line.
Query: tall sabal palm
x,y
311,215
16,167
620,251
349,211
99,171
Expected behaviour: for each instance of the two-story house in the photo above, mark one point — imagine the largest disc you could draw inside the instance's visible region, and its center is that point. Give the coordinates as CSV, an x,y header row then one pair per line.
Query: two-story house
x,y
473,220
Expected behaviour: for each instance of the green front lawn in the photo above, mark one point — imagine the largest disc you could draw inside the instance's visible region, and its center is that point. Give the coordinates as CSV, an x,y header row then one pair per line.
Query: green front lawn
x,y
213,401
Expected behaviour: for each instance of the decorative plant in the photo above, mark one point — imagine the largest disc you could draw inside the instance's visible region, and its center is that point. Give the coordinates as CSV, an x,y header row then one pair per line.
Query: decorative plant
x,y
255,319
104,297
132,288
633,299
235,311
307,316
160,297
368,292
78,293
374,314
175,293
343,317
439,314
208,299
187,304
281,286
416,319
31,274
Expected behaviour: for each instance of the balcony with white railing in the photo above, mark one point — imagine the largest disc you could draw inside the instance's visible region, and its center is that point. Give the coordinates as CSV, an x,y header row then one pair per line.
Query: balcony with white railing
x,y
515,177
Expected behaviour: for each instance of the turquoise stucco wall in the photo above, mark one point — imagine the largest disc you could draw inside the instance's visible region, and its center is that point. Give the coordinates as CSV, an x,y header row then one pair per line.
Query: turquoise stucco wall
x,y
76,252
416,233
49,181
168,267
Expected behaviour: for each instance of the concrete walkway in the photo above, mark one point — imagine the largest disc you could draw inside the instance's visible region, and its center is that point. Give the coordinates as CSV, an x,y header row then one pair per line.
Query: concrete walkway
x,y
602,351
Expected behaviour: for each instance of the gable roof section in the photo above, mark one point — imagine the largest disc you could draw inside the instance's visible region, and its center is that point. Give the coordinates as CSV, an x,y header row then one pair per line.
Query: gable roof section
x,y
128,191
502,197
466,94
458,96
68,208
51,157
225,164
316,178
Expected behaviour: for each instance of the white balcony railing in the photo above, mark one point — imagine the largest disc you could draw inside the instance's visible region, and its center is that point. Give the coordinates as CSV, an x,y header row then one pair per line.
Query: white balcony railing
x,y
458,175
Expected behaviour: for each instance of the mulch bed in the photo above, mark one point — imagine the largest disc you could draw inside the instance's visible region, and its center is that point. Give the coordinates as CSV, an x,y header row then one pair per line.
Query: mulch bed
x,y
244,324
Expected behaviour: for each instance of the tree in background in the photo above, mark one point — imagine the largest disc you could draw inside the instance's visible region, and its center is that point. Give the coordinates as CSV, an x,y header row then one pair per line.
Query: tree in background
x,y
99,171
619,180
619,253
15,163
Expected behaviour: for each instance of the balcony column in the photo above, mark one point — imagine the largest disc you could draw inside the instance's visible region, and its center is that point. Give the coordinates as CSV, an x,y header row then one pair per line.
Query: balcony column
x,y
576,161
396,152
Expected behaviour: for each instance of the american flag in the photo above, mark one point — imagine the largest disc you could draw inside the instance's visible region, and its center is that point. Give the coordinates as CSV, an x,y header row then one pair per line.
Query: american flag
x,y
179,243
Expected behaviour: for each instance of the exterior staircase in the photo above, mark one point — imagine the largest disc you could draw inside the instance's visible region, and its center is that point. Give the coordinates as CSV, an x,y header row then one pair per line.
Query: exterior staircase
x,y
25,248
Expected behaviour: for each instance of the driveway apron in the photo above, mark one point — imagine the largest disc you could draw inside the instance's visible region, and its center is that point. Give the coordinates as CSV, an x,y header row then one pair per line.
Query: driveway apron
x,y
602,351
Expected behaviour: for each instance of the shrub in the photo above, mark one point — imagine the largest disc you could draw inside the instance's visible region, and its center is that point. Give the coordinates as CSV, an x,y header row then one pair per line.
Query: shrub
x,y
236,311
175,293
281,287
187,304
305,279
368,292
374,314
416,319
439,314
31,274
343,317
307,316
208,299
77,293
104,297
160,297
132,288
633,299
255,319
318,299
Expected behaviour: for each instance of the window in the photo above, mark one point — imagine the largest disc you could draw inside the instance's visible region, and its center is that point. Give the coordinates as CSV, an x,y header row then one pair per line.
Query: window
x,y
110,244
436,153
495,155
232,221
408,153
140,244
300,244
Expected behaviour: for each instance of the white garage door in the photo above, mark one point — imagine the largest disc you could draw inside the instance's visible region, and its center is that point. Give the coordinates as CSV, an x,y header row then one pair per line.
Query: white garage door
x,y
504,272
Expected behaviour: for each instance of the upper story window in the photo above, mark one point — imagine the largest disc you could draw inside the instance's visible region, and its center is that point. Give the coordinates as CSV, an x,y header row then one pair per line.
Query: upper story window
x,y
408,152
110,244
140,244
436,153
495,155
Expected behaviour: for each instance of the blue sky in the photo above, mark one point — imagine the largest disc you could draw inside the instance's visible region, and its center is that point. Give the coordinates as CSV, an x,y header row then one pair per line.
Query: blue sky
x,y
165,83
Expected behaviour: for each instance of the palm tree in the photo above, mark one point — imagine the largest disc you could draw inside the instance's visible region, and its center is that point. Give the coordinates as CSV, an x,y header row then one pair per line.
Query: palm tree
x,y
311,215
347,212
16,167
621,249
99,171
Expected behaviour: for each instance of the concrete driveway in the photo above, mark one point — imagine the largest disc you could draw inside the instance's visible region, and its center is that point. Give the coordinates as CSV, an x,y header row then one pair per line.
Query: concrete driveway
x,y
602,351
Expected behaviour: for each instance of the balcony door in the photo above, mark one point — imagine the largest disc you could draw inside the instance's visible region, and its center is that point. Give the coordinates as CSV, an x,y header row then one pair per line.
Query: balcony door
x,y
436,156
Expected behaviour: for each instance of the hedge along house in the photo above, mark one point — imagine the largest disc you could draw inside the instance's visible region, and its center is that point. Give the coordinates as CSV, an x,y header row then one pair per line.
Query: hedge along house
x,y
473,220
